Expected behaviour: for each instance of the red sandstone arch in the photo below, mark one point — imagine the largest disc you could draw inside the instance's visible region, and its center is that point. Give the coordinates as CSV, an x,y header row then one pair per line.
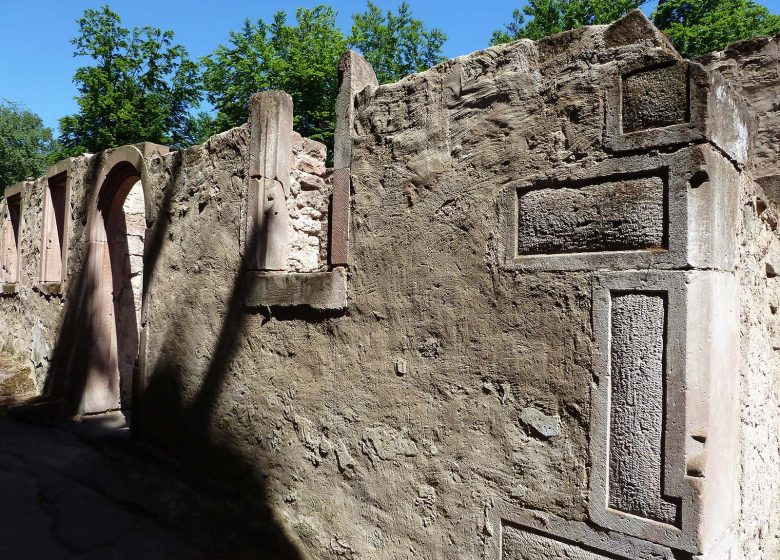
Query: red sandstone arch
x,y
113,376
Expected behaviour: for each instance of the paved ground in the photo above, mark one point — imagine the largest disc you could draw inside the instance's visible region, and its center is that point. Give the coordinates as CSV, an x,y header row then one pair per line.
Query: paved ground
x,y
64,496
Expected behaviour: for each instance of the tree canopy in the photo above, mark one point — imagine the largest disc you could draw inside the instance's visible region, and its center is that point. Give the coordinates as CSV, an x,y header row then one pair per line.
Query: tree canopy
x,y
540,18
140,86
698,27
395,44
694,26
25,144
301,58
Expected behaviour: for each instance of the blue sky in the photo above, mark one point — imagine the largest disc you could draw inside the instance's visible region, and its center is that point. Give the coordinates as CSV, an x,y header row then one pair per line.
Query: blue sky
x,y
37,65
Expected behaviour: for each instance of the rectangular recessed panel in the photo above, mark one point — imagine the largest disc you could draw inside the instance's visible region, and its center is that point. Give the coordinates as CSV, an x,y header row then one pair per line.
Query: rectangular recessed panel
x,y
520,544
10,264
655,98
53,228
619,215
636,457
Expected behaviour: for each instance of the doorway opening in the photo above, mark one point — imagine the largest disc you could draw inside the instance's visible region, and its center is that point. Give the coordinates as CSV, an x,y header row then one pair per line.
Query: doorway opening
x,y
117,249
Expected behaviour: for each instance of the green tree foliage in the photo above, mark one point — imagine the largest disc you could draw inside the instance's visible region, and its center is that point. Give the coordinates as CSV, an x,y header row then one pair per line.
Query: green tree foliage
x,y
139,87
701,26
301,58
541,18
25,144
395,44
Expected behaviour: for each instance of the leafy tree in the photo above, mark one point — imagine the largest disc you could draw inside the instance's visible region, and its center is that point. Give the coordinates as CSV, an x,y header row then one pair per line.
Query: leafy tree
x,y
140,87
700,26
395,44
300,59
548,17
25,144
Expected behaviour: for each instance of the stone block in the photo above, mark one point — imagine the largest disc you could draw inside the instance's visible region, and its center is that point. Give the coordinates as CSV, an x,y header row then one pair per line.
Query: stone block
x,y
355,74
340,215
655,97
270,156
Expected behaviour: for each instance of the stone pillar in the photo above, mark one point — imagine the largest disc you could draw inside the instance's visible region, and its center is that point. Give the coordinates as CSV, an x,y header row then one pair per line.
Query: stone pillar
x,y
355,74
270,121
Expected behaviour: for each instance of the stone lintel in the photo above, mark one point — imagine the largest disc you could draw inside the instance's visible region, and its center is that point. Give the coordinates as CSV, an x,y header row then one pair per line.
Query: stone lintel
x,y
318,290
50,288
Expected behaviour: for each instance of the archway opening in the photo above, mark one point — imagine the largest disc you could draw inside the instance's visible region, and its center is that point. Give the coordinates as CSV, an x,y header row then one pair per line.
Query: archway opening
x,y
117,249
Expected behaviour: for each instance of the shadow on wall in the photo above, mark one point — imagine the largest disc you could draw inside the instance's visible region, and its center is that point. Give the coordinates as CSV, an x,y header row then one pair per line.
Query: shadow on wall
x,y
240,514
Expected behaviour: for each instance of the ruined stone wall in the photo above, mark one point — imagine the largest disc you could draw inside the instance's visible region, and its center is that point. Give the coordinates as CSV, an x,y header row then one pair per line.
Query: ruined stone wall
x,y
557,280
456,409
30,311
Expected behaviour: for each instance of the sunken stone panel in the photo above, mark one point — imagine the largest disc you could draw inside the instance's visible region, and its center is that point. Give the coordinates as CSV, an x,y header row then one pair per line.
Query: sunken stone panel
x,y
637,407
655,98
619,215
519,544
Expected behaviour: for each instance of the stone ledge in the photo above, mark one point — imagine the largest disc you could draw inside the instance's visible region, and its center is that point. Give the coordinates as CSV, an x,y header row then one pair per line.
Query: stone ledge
x,y
9,289
50,288
319,290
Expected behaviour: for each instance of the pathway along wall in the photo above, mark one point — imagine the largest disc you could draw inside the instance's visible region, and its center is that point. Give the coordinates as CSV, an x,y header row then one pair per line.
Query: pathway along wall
x,y
558,337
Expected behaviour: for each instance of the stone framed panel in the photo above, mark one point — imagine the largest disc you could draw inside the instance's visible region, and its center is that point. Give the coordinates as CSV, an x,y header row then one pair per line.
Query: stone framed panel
x,y
579,207
654,210
622,213
670,102
55,226
651,105
12,225
664,422
519,534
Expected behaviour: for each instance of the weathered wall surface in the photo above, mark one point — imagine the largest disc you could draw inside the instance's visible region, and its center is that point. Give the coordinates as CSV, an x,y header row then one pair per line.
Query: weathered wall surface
x,y
521,216
751,67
